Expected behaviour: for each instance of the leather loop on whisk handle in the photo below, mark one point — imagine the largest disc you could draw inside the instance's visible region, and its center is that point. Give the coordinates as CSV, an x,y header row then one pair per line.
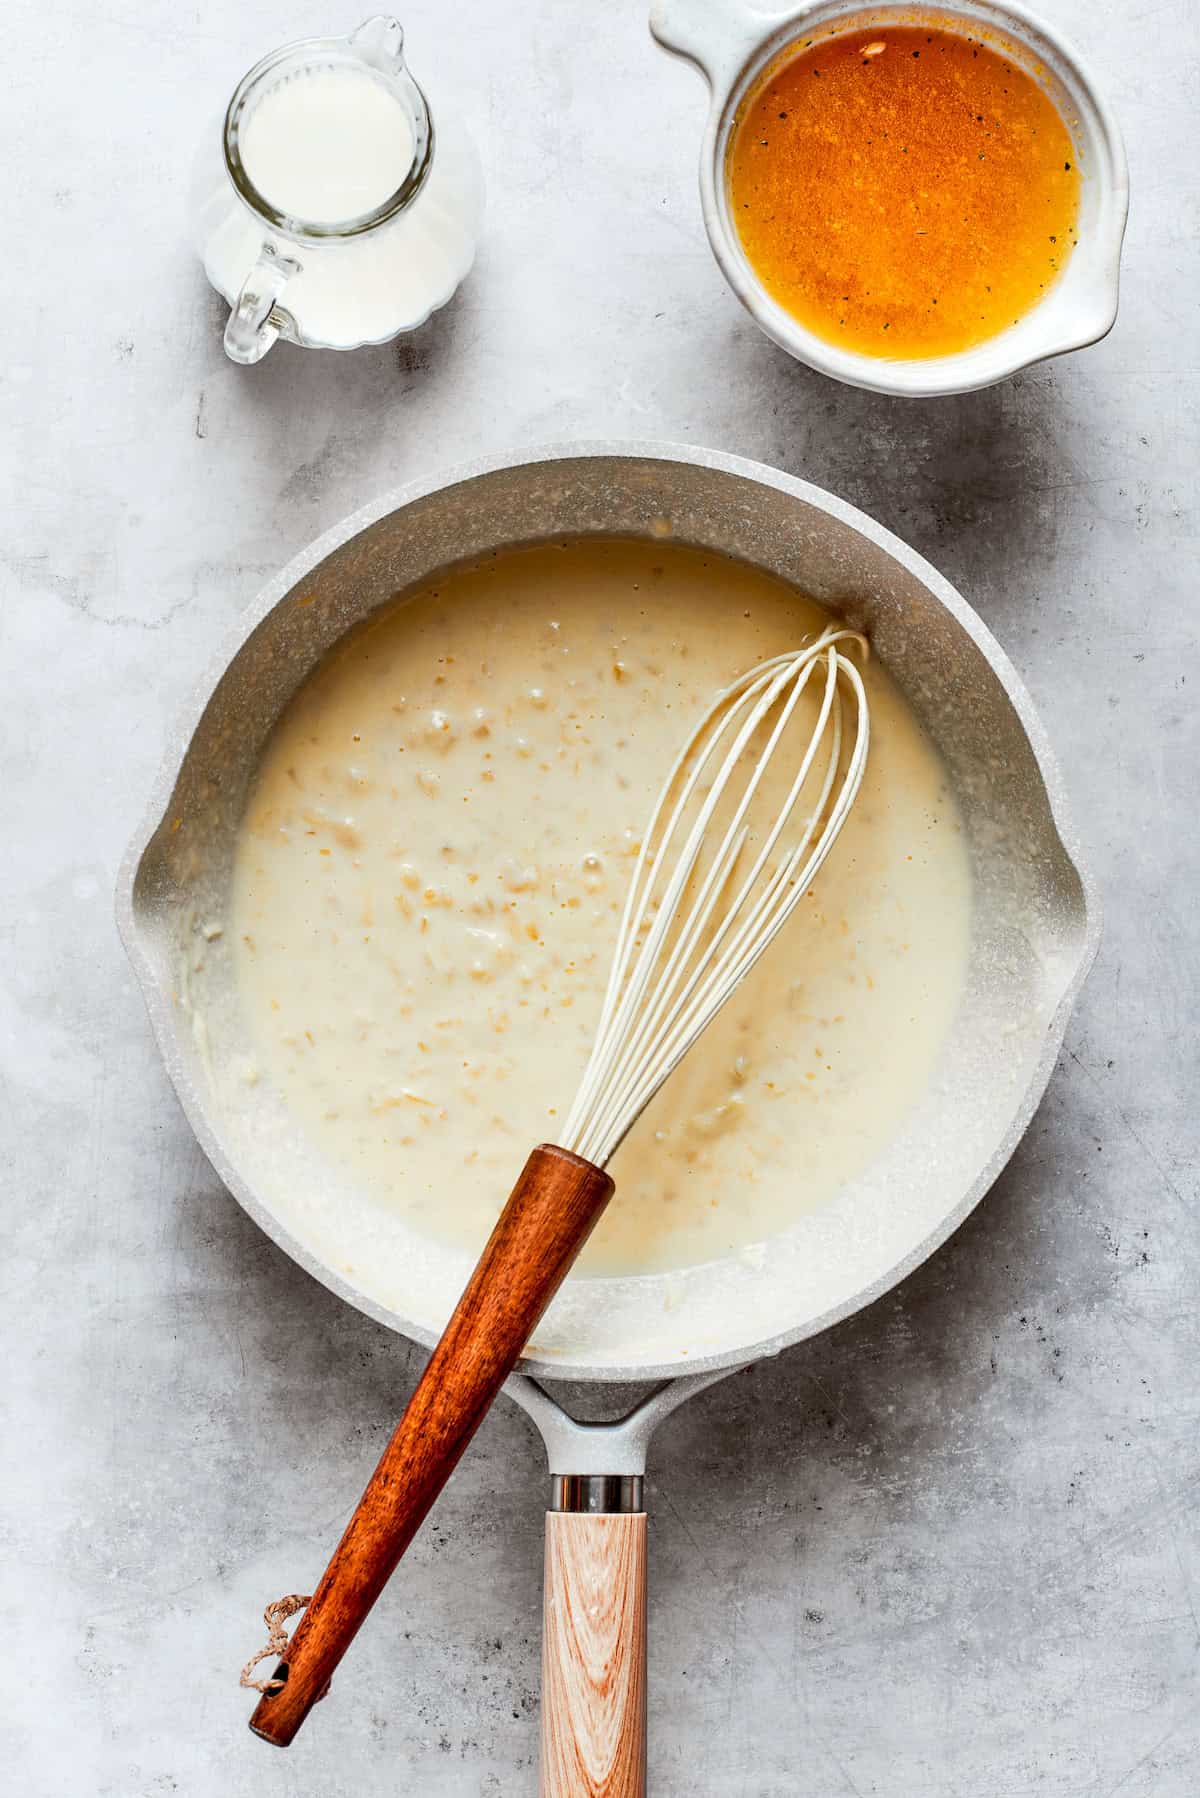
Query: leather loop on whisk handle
x,y
545,1223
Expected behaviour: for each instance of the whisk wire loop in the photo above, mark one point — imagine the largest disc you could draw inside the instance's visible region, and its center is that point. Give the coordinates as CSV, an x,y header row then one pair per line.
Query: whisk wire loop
x,y
692,928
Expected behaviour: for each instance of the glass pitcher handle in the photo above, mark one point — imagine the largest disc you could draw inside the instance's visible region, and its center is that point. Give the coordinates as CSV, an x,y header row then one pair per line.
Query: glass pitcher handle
x,y
255,322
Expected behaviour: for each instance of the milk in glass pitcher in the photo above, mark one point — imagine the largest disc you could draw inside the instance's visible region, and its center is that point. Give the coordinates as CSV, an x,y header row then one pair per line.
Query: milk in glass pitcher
x,y
339,209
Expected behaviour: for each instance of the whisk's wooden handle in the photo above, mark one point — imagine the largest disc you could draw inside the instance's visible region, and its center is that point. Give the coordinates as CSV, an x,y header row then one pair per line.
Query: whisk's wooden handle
x,y
545,1223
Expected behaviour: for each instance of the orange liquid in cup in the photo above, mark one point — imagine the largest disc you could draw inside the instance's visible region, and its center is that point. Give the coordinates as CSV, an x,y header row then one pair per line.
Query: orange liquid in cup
x,y
903,192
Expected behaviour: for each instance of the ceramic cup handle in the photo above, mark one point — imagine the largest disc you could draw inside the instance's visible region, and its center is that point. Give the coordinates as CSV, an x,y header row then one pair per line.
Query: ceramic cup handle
x,y
256,320
717,35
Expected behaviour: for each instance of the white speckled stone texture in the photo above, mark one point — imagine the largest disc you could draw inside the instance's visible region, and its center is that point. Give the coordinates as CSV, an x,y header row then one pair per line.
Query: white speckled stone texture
x,y
951,1549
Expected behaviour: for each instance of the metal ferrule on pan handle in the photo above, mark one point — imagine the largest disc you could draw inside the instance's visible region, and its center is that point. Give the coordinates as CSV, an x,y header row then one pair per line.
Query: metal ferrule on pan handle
x,y
596,1493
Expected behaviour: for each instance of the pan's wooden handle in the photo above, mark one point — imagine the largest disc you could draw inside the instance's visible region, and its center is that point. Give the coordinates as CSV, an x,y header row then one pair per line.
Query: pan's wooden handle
x,y
594,1656
542,1228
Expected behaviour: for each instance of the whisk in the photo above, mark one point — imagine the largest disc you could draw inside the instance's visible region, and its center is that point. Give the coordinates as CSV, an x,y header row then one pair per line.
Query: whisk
x,y
722,866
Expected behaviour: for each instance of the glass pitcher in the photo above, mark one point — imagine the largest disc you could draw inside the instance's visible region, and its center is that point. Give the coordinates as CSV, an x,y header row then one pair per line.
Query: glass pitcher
x,y
340,210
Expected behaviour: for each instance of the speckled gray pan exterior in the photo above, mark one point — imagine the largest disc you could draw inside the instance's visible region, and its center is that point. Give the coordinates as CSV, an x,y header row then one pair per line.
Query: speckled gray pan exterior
x,y
1034,932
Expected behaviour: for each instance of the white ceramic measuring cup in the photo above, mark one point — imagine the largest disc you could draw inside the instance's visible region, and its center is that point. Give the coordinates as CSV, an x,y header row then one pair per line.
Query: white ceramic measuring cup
x,y
731,42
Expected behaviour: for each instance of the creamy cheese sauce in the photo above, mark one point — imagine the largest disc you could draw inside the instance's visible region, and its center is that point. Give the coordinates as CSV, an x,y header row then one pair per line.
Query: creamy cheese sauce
x,y
431,872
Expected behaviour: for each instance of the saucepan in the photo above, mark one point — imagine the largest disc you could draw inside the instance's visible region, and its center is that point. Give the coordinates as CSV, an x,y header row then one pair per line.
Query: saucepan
x,y
1034,930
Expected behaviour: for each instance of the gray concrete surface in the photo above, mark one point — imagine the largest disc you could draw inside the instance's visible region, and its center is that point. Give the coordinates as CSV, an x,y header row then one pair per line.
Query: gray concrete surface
x,y
953,1549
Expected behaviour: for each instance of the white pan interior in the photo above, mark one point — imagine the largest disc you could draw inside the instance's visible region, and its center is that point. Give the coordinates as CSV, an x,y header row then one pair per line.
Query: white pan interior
x,y
1033,930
